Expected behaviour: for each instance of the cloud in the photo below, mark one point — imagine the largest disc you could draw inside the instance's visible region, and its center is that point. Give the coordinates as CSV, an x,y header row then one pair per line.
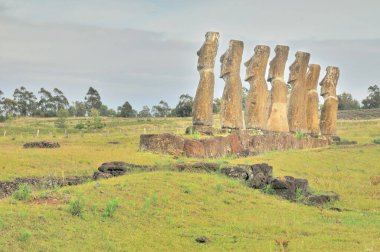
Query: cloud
x,y
145,51
123,64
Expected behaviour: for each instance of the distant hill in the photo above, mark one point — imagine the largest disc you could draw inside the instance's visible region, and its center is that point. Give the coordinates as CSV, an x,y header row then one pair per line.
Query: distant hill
x,y
359,114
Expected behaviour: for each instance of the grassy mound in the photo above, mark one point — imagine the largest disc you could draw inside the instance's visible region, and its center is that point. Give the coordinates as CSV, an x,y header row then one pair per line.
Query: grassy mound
x,y
168,211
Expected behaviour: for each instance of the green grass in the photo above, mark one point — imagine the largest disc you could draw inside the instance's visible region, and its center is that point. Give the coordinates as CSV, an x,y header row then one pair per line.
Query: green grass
x,y
167,211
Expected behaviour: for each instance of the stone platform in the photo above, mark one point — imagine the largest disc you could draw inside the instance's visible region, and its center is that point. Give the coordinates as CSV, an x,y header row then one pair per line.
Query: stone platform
x,y
240,144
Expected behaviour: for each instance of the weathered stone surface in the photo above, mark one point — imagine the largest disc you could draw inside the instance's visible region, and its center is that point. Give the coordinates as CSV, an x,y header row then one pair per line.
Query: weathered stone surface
x,y
202,108
256,176
42,145
101,175
330,107
321,199
116,168
241,144
202,239
231,113
298,95
312,101
286,186
257,100
194,148
278,120
162,143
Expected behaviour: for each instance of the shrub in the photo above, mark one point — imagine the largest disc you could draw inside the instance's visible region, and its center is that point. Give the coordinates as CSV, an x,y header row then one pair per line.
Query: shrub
x,y
24,236
23,192
219,188
268,189
376,141
299,135
80,126
299,194
111,207
76,207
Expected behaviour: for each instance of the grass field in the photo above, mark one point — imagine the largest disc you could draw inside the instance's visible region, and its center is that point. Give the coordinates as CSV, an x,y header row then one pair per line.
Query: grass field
x,y
166,211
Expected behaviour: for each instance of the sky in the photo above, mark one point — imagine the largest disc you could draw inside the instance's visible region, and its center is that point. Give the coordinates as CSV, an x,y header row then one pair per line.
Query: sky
x,y
144,51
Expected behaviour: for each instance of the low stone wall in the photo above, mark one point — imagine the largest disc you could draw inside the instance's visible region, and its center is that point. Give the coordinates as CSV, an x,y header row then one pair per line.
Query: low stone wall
x,y
241,144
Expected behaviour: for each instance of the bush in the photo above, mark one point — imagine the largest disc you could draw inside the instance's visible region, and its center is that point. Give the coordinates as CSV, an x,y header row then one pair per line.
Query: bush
x,y
24,236
300,195
111,207
23,193
268,189
80,126
376,141
76,207
299,135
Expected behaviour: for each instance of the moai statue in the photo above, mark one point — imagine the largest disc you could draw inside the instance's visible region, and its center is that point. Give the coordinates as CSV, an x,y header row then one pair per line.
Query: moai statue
x,y
257,100
231,115
297,99
312,101
278,120
202,108
330,107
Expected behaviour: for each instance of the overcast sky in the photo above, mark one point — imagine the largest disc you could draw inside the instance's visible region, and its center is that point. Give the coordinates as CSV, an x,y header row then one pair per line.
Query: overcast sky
x,y
143,51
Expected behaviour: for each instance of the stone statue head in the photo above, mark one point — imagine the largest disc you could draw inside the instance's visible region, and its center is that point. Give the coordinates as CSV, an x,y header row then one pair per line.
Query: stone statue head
x,y
231,59
329,82
207,53
312,76
299,67
257,64
277,64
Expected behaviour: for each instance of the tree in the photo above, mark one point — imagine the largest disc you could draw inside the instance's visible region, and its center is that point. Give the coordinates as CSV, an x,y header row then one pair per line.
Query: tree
x,y
96,120
78,109
184,107
216,105
347,102
92,100
373,99
9,107
26,101
60,100
244,96
126,110
46,106
161,110
145,112
103,110
62,114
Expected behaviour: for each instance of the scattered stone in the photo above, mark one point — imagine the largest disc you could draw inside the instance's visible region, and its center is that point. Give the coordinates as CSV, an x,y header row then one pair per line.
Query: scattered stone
x,y
114,142
101,175
321,199
202,239
41,145
345,142
287,186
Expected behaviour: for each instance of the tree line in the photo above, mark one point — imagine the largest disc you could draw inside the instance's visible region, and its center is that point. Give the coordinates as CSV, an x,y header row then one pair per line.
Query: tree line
x,y
347,102
54,104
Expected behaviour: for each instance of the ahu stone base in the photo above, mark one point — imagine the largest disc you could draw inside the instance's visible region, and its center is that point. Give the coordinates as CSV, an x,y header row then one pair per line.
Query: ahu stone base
x,y
240,144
